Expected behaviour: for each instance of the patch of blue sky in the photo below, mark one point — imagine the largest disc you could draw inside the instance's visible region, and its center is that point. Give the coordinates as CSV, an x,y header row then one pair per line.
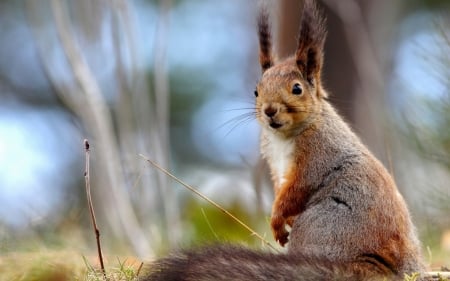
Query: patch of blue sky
x,y
34,144
417,77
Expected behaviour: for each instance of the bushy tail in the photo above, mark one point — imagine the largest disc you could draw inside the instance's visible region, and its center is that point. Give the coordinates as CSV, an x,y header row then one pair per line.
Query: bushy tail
x,y
227,262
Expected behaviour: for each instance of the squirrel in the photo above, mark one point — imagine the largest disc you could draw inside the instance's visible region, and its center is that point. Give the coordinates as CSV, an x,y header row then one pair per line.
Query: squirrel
x,y
348,220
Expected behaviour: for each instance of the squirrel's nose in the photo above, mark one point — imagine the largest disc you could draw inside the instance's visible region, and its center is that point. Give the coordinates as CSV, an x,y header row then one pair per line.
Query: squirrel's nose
x,y
270,111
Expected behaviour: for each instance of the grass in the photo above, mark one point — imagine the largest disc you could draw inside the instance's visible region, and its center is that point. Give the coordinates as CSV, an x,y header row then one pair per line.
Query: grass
x,y
34,266
54,265
125,270
72,266
65,266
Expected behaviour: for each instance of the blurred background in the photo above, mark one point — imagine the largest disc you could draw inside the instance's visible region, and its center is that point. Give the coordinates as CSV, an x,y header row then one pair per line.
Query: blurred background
x,y
174,80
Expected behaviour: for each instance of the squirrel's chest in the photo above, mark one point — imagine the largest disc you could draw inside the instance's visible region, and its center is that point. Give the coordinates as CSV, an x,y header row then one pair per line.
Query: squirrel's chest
x,y
279,153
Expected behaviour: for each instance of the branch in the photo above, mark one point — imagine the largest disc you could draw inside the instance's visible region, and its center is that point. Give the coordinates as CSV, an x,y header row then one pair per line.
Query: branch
x,y
91,208
102,126
204,197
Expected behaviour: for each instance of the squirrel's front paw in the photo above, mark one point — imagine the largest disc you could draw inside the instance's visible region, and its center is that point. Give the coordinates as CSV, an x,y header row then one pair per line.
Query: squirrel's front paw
x,y
290,220
278,228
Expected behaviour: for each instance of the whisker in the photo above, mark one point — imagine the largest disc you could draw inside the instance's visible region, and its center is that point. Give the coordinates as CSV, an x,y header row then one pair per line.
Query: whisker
x,y
300,110
247,117
236,119
238,109
244,120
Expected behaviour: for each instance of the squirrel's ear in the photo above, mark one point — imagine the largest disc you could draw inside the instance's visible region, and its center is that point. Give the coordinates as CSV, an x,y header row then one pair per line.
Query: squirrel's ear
x,y
311,40
265,41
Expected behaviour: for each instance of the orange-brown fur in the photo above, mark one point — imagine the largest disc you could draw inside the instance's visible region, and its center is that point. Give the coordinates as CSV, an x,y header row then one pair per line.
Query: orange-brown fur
x,y
348,220
314,157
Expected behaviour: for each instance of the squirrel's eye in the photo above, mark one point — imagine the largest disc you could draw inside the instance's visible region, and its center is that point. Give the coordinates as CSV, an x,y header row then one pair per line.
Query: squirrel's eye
x,y
256,93
297,89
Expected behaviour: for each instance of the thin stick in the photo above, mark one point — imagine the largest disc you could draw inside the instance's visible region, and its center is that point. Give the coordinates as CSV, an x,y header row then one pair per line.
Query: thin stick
x,y
91,208
139,269
209,201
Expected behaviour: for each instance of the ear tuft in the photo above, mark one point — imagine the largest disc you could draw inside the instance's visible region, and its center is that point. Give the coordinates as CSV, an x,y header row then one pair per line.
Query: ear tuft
x,y
265,41
309,55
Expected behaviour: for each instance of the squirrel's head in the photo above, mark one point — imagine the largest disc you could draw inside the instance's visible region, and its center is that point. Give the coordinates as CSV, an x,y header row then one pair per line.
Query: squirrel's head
x,y
289,94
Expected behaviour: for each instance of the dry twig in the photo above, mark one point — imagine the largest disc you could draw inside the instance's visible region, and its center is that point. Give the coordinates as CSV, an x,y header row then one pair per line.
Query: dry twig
x,y
100,121
91,208
209,201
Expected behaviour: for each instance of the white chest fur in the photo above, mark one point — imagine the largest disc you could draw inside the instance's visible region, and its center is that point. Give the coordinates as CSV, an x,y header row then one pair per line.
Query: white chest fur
x,y
279,152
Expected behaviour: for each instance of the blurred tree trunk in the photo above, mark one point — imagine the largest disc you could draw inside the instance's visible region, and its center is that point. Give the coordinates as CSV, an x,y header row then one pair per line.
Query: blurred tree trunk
x,y
353,72
126,196
338,73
